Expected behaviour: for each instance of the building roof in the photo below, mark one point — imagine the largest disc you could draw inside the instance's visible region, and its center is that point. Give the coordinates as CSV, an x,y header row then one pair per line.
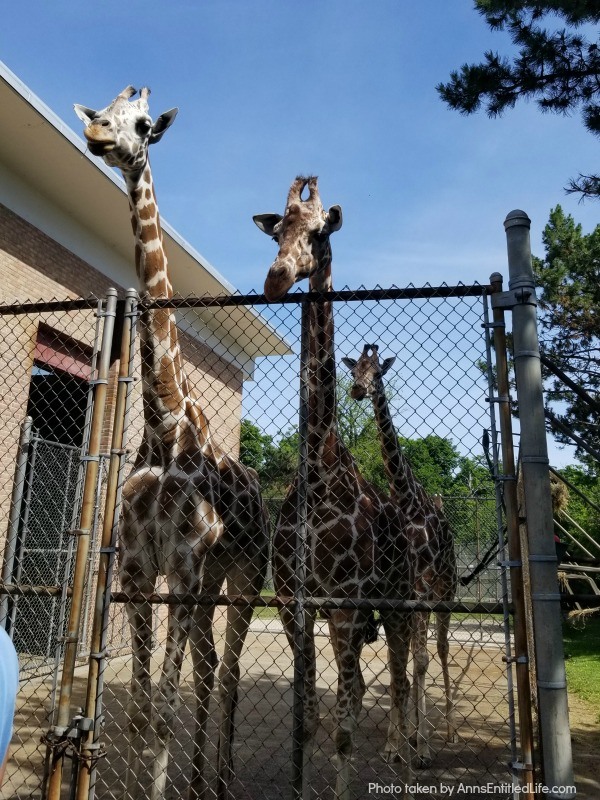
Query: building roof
x,y
43,151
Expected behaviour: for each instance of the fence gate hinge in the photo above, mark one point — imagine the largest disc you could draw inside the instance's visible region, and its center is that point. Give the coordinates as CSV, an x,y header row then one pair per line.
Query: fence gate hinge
x,y
519,766
514,297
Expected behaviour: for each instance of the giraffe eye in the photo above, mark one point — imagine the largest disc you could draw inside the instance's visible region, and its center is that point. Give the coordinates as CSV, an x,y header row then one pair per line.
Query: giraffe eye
x,y
275,238
143,126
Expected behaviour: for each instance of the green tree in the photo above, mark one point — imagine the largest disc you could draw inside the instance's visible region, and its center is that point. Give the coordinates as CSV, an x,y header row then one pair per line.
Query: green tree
x,y
282,464
275,461
434,461
473,478
255,446
559,68
569,276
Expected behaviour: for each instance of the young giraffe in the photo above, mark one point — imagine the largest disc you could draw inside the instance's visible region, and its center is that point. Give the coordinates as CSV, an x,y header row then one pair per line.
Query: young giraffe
x,y
190,511
430,540
356,547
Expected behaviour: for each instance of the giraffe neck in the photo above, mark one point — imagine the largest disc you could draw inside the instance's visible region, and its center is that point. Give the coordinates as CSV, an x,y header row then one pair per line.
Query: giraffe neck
x,y
322,416
173,421
404,487
150,257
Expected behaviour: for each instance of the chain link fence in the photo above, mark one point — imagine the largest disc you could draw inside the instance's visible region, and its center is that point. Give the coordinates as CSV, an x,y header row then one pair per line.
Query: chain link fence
x,y
48,354
243,360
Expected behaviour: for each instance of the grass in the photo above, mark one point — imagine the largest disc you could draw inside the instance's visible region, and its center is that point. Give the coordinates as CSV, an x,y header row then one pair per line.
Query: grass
x,y
266,612
582,653
271,612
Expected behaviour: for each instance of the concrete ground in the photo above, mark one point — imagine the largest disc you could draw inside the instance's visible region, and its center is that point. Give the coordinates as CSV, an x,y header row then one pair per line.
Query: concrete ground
x,y
263,732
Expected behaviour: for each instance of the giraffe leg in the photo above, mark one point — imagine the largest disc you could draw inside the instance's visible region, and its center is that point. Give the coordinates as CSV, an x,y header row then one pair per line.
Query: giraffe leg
x,y
205,660
443,649
347,639
139,703
421,664
360,686
398,630
241,580
137,576
167,700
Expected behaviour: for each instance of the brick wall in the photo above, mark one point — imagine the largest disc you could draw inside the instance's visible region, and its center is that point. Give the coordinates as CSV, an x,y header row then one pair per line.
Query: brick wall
x,y
34,267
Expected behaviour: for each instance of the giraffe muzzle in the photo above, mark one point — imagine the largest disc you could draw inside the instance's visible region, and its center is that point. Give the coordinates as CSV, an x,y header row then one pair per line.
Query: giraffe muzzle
x,y
358,392
101,148
279,281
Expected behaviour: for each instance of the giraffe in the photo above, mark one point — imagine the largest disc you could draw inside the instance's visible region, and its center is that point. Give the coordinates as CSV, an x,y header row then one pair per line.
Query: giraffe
x,y
190,511
430,540
356,547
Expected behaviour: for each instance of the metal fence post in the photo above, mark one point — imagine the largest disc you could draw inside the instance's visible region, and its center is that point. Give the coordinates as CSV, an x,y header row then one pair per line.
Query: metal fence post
x,y
521,658
63,730
300,588
10,551
557,766
90,743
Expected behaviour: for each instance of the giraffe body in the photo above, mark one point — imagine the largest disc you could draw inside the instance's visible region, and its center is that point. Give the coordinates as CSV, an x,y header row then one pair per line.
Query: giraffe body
x,y
355,547
190,511
430,541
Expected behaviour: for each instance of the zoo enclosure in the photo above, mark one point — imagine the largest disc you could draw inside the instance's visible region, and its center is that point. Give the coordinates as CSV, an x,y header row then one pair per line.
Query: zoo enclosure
x,y
360,316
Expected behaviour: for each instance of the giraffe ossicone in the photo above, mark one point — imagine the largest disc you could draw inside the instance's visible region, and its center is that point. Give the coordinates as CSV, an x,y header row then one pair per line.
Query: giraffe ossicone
x,y
191,512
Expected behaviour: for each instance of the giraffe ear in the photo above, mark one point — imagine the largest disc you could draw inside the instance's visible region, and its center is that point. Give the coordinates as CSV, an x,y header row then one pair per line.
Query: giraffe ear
x,y
162,123
85,114
267,222
334,219
349,362
387,363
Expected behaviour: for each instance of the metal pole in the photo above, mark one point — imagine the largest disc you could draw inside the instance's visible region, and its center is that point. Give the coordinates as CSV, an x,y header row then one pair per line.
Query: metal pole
x,y
555,740
34,443
508,659
62,727
75,511
90,742
10,551
509,477
300,588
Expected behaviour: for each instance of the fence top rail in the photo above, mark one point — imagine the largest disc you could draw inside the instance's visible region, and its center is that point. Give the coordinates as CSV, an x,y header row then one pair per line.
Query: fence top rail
x,y
80,304
252,299
344,295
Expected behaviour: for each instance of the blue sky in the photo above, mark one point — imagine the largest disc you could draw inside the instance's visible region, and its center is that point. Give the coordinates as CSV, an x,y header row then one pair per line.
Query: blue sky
x,y
344,89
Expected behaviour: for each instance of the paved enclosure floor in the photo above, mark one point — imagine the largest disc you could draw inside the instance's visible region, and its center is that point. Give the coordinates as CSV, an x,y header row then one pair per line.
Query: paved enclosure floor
x,y
263,730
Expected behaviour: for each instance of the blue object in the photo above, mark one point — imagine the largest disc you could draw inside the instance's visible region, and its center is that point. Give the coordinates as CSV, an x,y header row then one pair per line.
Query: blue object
x,y
9,686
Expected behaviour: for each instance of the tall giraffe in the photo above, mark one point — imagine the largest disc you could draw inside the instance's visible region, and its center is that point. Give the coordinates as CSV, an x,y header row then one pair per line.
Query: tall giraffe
x,y
190,511
356,547
429,536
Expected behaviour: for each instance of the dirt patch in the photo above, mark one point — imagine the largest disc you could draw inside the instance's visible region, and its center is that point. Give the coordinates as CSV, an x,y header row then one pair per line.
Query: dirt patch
x,y
263,731
585,738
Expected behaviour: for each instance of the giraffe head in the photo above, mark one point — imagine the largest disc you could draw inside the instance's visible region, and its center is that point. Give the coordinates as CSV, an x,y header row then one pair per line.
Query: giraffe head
x,y
122,132
368,372
302,234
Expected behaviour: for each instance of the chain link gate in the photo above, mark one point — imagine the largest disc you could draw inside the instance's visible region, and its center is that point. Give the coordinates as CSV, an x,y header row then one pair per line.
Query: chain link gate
x,y
49,354
446,392
481,635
